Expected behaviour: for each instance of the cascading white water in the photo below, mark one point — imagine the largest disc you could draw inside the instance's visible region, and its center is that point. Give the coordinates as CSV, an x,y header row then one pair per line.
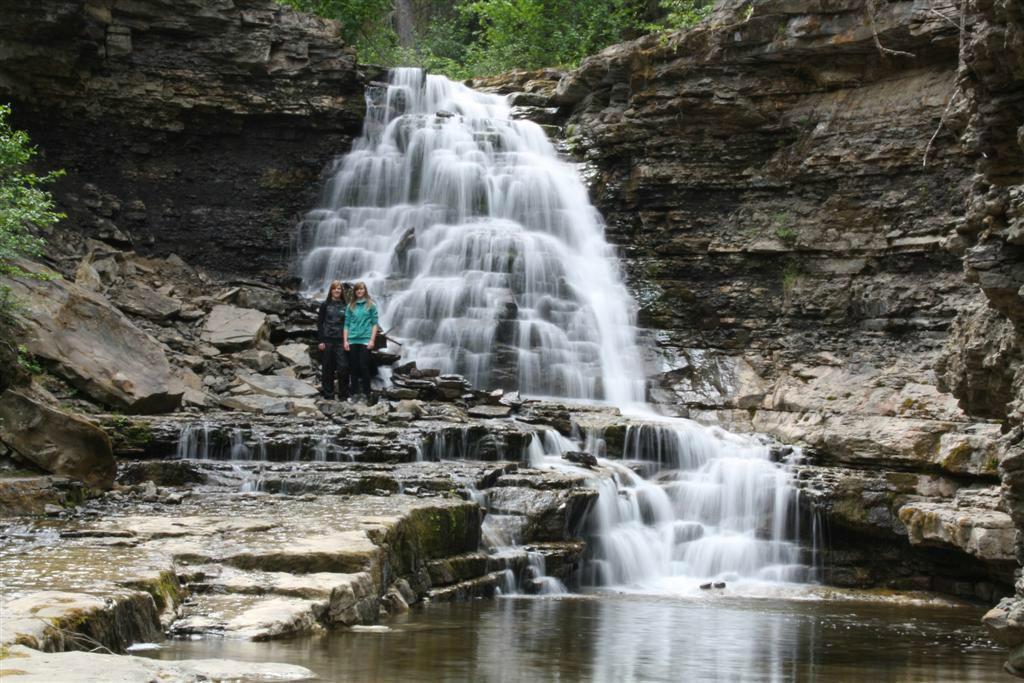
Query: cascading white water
x,y
717,509
194,442
480,244
489,260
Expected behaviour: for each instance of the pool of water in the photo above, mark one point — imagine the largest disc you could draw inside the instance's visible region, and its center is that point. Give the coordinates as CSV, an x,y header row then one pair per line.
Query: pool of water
x,y
629,637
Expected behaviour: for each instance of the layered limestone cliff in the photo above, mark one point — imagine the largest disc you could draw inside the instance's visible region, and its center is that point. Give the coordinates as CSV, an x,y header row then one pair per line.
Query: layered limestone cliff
x,y
198,128
983,366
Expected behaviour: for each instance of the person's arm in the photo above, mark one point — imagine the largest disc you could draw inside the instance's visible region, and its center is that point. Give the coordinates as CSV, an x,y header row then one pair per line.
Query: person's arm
x,y
321,315
344,334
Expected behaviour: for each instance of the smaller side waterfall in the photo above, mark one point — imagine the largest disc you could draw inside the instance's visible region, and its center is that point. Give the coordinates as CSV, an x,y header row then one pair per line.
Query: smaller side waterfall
x,y
709,507
194,442
523,569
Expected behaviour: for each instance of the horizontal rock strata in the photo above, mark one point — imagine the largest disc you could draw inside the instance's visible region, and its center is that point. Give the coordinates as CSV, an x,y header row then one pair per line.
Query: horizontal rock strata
x,y
195,128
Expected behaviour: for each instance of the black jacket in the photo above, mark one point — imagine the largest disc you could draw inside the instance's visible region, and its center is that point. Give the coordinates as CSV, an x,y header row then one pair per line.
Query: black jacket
x,y
321,322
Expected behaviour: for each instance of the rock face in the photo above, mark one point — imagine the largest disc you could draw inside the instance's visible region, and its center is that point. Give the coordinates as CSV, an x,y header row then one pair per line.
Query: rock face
x,y
56,441
764,177
95,347
983,365
194,127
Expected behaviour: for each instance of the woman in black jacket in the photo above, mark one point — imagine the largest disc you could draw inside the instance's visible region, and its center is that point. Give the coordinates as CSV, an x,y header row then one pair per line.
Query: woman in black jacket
x,y
331,329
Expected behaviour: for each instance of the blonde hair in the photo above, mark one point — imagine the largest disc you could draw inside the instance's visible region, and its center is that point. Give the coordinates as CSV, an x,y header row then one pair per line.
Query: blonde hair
x,y
352,300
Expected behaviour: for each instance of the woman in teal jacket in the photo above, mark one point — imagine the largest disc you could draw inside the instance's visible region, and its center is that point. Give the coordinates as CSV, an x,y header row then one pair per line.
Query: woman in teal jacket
x,y
360,334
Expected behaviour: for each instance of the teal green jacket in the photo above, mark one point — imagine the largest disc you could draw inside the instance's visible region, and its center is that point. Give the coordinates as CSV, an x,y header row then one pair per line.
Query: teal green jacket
x,y
359,322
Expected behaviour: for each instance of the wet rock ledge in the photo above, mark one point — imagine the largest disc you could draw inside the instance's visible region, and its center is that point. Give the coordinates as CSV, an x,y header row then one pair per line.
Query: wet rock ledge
x,y
211,557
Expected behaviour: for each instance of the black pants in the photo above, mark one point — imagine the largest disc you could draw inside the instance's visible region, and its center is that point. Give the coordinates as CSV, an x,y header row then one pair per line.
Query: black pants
x,y
359,361
335,364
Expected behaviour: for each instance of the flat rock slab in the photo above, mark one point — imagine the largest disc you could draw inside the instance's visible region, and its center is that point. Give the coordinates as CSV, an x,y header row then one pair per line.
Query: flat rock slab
x,y
47,620
279,386
251,617
146,302
261,566
343,552
487,411
295,354
186,525
270,405
32,666
315,586
233,328
85,564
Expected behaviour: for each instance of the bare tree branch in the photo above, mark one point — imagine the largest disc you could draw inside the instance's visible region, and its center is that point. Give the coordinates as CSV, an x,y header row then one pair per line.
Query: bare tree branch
x,y
961,74
869,6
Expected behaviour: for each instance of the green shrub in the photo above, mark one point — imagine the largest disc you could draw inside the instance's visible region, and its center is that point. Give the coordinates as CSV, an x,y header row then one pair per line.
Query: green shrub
x,y
25,208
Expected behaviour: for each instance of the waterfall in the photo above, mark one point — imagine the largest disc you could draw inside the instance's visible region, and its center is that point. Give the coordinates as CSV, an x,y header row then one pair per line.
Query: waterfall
x,y
489,261
716,509
480,244
194,442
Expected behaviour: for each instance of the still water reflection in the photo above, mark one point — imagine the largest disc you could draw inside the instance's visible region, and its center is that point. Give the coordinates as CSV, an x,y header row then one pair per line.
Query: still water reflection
x,y
644,638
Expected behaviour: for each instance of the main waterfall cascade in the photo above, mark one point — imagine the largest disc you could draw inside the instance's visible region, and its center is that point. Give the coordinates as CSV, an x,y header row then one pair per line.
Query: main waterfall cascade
x,y
481,245
489,261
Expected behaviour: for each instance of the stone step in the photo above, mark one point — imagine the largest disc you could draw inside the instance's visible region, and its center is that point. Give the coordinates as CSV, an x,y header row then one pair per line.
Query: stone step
x,y
341,598
483,587
458,568
250,617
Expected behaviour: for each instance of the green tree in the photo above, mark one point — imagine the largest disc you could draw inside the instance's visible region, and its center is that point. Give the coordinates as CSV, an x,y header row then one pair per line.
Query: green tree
x,y
365,24
535,33
685,13
479,37
25,207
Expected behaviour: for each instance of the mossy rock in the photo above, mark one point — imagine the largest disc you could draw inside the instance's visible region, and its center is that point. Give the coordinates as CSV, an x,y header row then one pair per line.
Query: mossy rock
x,y
128,436
435,532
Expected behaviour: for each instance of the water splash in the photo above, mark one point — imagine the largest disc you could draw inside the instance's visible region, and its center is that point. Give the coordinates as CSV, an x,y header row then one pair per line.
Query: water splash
x,y
481,244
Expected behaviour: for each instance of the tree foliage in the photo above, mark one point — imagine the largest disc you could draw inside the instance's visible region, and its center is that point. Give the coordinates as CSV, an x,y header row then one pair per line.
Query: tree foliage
x,y
25,207
479,37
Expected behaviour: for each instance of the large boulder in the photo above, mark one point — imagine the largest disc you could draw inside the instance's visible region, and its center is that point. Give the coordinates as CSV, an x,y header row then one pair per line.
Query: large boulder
x,y
56,441
232,328
94,346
